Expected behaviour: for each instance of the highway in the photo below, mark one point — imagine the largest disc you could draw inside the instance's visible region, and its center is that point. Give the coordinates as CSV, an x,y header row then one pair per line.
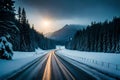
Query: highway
x,y
51,67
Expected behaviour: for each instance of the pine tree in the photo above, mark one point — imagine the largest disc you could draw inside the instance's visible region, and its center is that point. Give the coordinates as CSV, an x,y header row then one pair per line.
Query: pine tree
x,y
9,5
108,43
19,14
23,19
7,10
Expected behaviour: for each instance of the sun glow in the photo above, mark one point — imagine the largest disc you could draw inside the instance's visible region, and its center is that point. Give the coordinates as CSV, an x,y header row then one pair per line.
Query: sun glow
x,y
46,23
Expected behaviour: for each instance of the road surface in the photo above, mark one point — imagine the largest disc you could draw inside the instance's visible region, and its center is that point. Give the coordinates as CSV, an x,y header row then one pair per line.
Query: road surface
x,y
50,67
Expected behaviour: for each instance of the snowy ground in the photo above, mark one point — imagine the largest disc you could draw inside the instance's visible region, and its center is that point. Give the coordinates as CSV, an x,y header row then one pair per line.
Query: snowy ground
x,y
104,62
19,59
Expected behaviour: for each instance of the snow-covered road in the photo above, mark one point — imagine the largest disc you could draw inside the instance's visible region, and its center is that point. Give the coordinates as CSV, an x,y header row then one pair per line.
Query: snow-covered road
x,y
57,66
19,60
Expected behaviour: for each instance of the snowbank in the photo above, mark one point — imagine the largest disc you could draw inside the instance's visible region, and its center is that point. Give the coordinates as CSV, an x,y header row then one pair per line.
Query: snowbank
x,y
104,62
19,59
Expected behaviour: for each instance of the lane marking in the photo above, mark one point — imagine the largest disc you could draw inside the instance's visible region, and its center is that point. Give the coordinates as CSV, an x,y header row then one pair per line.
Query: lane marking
x,y
47,71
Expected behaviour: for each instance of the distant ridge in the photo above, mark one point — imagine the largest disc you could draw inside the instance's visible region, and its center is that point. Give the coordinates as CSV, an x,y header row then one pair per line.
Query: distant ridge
x,y
65,33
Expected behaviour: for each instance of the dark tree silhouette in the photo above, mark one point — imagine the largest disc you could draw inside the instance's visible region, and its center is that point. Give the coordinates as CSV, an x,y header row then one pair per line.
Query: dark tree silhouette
x,y
98,37
7,10
23,18
19,14
20,33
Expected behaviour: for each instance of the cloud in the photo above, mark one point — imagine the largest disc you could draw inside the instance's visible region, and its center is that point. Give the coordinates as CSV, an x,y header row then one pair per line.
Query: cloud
x,y
65,9
69,11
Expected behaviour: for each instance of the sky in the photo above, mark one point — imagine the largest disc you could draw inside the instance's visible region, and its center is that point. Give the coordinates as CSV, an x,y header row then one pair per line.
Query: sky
x,y
51,15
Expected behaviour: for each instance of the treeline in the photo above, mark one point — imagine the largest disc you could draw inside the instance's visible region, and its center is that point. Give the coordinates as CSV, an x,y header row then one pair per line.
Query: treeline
x,y
18,30
98,37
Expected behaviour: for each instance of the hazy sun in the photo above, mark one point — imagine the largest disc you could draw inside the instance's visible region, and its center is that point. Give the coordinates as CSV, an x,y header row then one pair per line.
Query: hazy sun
x,y
46,23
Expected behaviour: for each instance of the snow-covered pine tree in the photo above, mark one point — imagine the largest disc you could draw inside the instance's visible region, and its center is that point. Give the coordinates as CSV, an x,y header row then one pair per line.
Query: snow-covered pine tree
x,y
6,51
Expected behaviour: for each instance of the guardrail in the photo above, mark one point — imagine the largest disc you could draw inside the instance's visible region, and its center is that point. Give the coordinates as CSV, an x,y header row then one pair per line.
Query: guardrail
x,y
101,63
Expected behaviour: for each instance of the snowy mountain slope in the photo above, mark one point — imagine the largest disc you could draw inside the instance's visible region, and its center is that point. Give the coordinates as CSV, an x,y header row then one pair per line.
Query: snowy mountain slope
x,y
65,33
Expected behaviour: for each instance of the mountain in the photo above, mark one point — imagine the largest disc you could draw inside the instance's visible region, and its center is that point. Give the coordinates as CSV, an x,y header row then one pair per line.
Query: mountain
x,y
65,33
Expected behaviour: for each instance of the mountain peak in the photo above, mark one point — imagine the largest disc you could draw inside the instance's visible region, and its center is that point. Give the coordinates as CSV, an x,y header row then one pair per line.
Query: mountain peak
x,y
65,33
